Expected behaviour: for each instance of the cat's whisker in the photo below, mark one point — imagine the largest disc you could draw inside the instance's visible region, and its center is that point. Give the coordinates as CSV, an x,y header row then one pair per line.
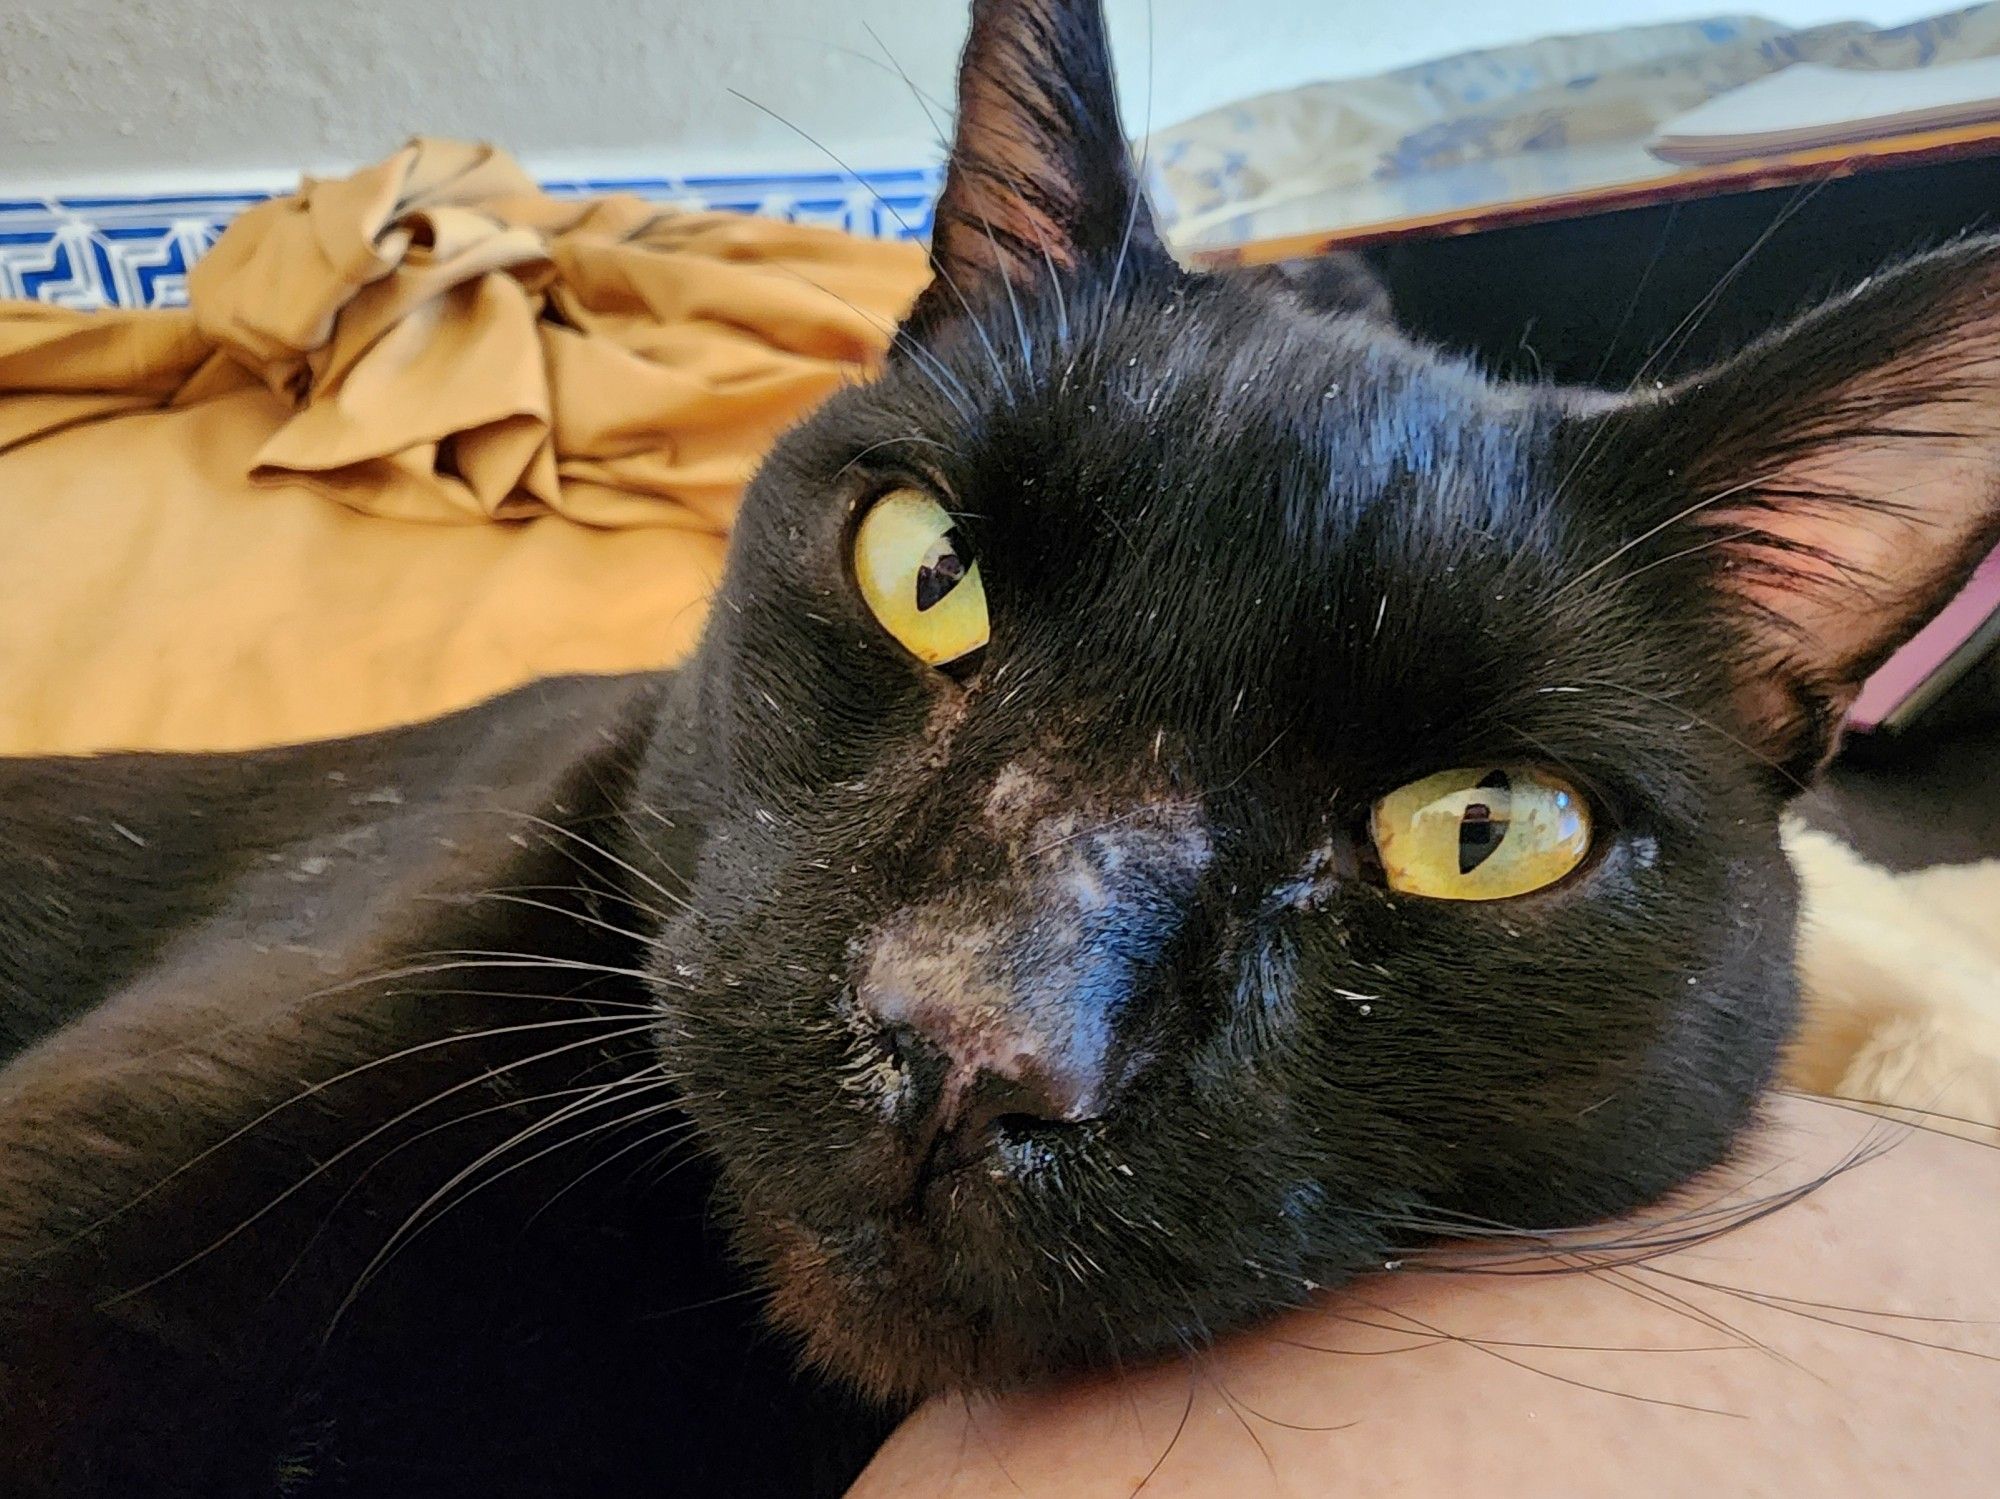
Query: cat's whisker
x,y
1638,293
1429,1340
1494,1352
874,447
1705,503
1231,1404
509,898
619,896
744,1293
1721,539
1416,1344
591,846
1180,1430
361,1179
1627,1282
667,1165
1578,777
1710,724
474,957
972,1428
679,1130
1895,1112
201,1040
1138,185
646,1048
1256,760
639,807
1056,291
1676,340
1834,1306
933,368
655,813
313,1090
195,1041
1805,1311
1625,1246
601,880
1691,322
633,1008
622,1090
924,102
321,1168
1013,303
1624,1273
978,327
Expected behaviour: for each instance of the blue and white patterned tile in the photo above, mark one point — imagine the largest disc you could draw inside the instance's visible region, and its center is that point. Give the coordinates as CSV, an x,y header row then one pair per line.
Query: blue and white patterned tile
x,y
135,251
894,204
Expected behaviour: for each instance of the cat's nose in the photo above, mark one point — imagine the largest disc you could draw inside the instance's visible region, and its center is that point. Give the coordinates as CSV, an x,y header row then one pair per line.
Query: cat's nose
x,y
954,1110
970,1070
1032,1000
974,1054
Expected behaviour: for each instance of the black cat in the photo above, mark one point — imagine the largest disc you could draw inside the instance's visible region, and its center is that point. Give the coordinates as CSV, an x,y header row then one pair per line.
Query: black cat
x,y
1183,790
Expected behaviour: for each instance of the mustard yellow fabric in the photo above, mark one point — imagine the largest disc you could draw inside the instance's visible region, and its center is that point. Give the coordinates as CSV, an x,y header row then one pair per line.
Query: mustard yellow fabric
x,y
423,434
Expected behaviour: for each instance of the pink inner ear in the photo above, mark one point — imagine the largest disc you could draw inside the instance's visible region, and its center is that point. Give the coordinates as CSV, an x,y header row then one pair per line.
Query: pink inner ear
x,y
1007,197
1843,552
1010,197
1039,178
1849,523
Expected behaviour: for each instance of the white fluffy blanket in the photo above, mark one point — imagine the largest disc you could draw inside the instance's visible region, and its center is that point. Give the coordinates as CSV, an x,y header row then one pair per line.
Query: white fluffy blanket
x,y
1902,980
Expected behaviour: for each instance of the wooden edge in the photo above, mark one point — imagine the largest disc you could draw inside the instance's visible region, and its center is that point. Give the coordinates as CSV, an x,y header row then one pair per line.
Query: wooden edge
x,y
1822,164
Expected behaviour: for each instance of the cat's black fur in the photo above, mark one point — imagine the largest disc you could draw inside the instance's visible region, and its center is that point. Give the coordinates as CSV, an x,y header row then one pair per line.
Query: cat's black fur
x,y
1252,563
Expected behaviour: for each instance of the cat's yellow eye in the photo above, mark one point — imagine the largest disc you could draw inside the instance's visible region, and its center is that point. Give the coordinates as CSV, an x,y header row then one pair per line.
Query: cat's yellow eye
x,y
917,577
1481,833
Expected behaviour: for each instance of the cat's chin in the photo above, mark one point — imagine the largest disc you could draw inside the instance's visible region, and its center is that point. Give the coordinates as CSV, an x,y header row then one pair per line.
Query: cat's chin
x,y
870,1306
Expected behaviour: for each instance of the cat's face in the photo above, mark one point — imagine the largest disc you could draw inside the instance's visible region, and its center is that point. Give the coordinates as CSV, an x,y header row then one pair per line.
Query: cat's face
x,y
1076,997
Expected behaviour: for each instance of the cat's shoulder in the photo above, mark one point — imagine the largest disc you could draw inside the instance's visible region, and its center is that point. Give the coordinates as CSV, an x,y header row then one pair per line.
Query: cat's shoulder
x,y
107,861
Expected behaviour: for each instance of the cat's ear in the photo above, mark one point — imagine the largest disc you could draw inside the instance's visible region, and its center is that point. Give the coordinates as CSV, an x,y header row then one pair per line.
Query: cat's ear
x,y
1834,485
1040,179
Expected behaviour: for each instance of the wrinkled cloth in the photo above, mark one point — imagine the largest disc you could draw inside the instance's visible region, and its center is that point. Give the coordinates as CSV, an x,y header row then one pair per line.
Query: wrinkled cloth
x,y
423,433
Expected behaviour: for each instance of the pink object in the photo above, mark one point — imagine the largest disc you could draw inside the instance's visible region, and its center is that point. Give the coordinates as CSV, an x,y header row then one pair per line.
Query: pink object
x,y
1934,656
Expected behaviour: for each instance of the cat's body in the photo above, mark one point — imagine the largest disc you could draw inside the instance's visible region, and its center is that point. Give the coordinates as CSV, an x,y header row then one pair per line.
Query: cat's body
x,y
1059,1002
229,936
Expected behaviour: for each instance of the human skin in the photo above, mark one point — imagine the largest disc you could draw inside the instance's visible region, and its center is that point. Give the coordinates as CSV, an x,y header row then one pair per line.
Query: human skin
x,y
1847,1343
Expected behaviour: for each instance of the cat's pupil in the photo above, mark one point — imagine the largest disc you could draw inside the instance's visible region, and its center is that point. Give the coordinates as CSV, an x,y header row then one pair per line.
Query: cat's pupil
x,y
942,569
1483,824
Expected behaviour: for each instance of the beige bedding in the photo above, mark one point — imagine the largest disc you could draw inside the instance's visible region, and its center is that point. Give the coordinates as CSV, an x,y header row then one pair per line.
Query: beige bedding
x,y
424,433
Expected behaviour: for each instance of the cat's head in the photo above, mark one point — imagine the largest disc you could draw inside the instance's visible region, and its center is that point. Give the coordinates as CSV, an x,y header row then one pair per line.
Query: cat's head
x,y
1194,789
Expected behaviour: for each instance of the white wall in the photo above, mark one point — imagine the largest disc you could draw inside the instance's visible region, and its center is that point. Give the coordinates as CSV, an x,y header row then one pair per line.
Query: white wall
x,y
134,93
